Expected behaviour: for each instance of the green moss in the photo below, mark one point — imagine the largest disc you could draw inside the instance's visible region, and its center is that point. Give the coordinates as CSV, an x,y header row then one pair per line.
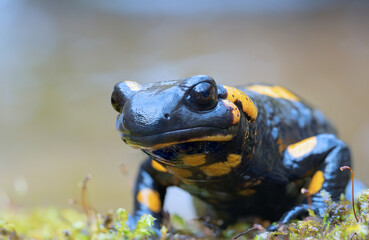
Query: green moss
x,y
50,223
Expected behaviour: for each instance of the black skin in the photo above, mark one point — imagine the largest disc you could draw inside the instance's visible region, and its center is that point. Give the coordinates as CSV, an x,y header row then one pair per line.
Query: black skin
x,y
173,113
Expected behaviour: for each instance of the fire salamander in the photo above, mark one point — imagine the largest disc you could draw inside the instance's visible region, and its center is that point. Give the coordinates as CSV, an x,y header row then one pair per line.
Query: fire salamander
x,y
245,151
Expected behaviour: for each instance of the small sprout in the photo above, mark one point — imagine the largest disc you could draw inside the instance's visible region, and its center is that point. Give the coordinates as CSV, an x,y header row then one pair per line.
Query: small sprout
x,y
84,193
255,227
306,192
352,181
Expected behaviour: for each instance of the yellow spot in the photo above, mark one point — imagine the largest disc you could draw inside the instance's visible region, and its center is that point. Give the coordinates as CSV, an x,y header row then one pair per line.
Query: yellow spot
x,y
302,148
316,182
222,168
274,91
157,166
150,198
180,172
234,159
133,85
235,112
195,159
247,192
216,138
248,107
252,183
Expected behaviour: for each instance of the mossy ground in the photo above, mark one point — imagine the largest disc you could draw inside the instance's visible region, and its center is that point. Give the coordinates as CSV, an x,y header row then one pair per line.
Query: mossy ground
x,y
50,223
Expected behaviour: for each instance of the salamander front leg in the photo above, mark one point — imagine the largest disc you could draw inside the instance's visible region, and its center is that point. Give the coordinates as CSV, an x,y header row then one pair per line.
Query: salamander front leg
x,y
321,157
148,195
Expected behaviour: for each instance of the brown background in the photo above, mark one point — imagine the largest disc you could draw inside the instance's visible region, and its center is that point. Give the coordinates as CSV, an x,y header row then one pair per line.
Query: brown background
x,y
60,60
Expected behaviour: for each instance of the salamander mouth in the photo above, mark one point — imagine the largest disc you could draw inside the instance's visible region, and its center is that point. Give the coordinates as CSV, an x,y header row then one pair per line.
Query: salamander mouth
x,y
170,138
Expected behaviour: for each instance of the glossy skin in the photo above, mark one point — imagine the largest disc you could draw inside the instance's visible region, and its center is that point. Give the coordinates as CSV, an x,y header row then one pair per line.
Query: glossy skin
x,y
245,152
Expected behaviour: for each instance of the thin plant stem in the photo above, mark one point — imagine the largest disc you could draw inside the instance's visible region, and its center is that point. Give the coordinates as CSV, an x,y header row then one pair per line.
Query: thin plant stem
x,y
255,227
352,181
83,195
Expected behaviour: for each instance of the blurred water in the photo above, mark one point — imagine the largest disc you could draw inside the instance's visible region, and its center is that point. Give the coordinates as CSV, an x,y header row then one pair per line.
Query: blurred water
x,y
60,59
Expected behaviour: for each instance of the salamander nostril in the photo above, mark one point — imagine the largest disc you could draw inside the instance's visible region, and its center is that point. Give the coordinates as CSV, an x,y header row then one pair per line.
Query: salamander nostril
x,y
167,116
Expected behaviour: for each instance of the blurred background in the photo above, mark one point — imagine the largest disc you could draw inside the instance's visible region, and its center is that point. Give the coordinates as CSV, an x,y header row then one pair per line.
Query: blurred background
x,y
60,59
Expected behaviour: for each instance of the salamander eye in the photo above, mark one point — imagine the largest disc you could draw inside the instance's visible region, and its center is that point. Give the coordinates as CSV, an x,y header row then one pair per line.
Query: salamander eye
x,y
204,95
